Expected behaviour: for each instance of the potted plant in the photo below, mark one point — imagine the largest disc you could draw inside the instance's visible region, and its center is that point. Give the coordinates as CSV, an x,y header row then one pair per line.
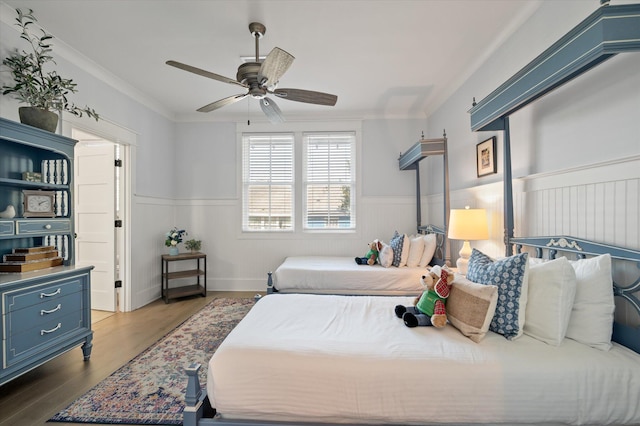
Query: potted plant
x,y
43,89
193,245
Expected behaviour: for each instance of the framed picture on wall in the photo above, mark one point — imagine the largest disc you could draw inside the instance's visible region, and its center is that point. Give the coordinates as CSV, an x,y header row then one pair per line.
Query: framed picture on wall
x,y
486,157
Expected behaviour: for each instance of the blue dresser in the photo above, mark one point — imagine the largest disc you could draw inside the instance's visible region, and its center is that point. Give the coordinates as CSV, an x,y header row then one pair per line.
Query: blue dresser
x,y
46,311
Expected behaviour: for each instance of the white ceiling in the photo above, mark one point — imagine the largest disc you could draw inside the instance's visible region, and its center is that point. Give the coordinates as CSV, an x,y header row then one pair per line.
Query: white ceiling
x,y
382,58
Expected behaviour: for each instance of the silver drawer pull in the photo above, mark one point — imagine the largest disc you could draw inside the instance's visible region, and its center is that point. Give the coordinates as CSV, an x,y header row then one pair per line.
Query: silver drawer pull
x,y
47,226
57,308
43,295
57,327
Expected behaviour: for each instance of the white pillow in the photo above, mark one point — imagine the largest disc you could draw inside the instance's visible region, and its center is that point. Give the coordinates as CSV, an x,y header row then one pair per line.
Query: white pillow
x,y
591,319
385,255
430,243
406,246
415,251
551,292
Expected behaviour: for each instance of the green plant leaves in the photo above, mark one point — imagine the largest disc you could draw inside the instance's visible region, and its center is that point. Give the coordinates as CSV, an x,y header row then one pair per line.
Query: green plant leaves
x,y
34,86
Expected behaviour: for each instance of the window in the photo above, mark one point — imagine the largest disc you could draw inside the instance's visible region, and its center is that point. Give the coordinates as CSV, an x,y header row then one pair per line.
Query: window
x,y
326,198
329,181
268,182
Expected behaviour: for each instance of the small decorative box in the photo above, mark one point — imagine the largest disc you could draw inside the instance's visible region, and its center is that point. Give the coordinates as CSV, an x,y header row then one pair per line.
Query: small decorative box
x,y
32,176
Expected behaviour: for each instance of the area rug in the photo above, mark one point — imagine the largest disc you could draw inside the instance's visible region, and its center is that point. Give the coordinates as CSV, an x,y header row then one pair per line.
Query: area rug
x,y
150,388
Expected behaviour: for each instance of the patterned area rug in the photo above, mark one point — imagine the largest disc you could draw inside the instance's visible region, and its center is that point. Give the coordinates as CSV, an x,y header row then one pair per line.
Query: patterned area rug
x,y
150,388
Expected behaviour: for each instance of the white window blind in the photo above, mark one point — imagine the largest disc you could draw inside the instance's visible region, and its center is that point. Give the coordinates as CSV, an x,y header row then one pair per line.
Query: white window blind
x,y
329,181
268,182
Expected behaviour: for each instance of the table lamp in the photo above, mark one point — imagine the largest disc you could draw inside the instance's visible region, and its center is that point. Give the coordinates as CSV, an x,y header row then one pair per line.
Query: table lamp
x,y
467,224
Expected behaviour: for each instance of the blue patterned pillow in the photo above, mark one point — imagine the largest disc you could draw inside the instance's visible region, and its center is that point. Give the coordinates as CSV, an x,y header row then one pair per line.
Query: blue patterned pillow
x,y
511,277
396,244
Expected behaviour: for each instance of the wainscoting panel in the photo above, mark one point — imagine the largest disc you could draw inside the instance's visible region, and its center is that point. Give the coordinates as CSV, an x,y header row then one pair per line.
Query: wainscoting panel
x,y
153,218
606,212
574,203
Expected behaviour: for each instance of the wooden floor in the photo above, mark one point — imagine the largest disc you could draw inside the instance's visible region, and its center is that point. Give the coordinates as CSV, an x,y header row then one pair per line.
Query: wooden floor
x,y
34,397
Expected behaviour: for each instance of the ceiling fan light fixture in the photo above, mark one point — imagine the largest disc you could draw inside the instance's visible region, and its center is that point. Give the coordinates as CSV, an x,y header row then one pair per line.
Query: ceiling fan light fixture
x,y
260,75
251,58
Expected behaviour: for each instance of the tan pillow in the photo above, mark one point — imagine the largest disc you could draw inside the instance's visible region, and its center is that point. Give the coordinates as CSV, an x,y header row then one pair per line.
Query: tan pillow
x,y
470,307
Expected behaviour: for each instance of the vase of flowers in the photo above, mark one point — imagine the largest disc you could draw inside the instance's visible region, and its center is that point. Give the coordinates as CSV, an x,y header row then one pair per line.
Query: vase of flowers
x,y
173,238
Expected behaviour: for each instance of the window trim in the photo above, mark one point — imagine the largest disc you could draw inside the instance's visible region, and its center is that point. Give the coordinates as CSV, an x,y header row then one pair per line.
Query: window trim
x,y
298,128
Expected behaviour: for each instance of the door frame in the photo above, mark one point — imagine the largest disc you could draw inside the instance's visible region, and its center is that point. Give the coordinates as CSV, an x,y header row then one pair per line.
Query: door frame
x,y
127,139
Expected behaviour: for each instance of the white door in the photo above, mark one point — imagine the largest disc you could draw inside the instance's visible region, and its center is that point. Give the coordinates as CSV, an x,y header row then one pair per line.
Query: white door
x,y
94,218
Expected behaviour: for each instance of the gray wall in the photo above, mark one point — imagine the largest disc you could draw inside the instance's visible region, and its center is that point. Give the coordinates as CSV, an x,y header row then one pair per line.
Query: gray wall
x,y
187,174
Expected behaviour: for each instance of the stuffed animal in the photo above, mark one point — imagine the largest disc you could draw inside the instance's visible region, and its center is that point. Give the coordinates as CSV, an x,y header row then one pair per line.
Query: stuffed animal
x,y
372,255
430,308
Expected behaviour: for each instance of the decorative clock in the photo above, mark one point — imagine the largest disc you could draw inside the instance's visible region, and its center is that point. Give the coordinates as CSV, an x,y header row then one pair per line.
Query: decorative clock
x,y
39,203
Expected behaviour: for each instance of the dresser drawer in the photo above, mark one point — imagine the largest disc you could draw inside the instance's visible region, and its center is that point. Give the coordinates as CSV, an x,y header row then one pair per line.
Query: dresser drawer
x,y
7,228
44,293
47,334
19,320
42,226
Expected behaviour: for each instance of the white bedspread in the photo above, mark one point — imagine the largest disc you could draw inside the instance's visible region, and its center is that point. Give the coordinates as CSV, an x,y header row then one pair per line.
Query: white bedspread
x,y
342,275
349,359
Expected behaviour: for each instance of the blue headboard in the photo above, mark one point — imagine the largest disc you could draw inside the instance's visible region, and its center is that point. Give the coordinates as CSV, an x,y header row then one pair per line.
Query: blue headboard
x,y
548,247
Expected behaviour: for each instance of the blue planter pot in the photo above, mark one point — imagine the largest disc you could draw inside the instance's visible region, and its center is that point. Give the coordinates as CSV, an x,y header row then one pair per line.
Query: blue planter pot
x,y
173,250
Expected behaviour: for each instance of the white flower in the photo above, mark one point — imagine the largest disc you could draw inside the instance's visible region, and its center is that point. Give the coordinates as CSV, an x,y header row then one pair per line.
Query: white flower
x,y
174,235
174,243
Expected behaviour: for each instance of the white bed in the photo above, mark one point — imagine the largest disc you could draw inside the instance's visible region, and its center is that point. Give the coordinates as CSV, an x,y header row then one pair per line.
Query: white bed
x,y
342,275
348,359
333,359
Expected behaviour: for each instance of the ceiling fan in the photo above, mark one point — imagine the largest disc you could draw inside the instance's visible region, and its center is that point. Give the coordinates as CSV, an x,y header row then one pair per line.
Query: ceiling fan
x,y
260,79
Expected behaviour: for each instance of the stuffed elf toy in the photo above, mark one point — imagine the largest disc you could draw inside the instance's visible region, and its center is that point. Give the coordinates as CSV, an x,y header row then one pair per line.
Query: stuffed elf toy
x,y
430,308
372,255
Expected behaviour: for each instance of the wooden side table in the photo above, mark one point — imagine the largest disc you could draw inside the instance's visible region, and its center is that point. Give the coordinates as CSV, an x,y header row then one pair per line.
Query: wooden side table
x,y
200,273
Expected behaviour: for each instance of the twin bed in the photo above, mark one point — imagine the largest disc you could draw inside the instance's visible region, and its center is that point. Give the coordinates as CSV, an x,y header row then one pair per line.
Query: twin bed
x,y
335,359
342,275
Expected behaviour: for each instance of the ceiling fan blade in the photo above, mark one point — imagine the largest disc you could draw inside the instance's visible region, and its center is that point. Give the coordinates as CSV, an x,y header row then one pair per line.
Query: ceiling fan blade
x,y
204,73
222,102
307,96
274,66
271,110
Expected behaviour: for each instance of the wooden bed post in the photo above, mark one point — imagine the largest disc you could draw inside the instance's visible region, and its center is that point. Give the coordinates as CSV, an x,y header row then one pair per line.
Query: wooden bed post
x,y
418,200
270,282
447,203
508,190
193,409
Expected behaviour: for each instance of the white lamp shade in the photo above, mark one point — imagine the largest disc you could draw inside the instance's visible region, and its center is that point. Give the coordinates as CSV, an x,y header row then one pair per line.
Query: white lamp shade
x,y
468,224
